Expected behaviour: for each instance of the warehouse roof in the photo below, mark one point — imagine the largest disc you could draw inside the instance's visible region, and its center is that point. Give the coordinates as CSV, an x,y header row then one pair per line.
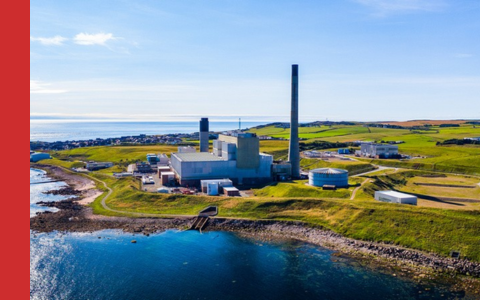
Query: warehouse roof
x,y
230,189
197,156
396,194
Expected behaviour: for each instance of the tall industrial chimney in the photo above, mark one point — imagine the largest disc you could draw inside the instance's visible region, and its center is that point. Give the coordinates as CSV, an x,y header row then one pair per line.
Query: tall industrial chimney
x,y
204,135
293,150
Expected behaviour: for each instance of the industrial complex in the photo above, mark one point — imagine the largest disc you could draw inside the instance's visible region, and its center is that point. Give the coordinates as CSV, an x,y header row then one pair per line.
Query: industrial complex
x,y
236,156
233,163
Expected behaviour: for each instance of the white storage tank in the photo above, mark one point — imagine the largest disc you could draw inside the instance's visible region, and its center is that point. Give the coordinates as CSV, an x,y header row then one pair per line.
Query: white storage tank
x,y
212,189
395,197
328,176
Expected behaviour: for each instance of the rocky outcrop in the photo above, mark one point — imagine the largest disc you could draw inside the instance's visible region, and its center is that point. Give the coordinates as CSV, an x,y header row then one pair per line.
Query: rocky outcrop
x,y
66,191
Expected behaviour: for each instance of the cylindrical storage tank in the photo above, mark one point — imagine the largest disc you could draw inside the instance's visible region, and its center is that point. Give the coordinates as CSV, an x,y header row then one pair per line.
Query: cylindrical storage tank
x,y
328,176
212,189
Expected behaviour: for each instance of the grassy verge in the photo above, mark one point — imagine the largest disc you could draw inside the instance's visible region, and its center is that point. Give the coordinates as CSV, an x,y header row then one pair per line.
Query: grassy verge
x,y
300,189
353,167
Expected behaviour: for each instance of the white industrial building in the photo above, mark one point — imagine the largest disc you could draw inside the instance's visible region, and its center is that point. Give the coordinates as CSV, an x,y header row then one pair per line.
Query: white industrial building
x,y
379,150
395,197
235,157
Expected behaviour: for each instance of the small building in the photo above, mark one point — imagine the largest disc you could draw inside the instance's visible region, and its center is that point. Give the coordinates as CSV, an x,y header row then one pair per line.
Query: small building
x,y
379,150
143,167
158,159
163,160
231,191
328,177
395,197
93,166
212,189
221,184
343,151
38,156
152,158
122,174
162,169
167,178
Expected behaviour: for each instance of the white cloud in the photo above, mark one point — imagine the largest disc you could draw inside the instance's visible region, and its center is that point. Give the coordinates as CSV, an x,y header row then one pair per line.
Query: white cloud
x,y
37,87
55,41
384,7
93,39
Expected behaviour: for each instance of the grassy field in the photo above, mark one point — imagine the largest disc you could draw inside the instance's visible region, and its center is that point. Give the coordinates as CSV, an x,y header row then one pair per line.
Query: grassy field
x,y
404,181
114,154
425,229
421,144
444,191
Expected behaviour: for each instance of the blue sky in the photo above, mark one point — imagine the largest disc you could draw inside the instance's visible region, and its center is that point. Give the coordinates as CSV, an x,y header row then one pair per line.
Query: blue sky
x,y
365,60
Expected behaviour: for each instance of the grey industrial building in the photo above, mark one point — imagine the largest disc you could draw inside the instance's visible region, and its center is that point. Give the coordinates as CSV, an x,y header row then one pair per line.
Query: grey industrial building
x,y
236,157
395,197
379,150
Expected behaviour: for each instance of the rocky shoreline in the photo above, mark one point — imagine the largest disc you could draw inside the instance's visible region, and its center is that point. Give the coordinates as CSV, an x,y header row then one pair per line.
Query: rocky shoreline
x,y
77,218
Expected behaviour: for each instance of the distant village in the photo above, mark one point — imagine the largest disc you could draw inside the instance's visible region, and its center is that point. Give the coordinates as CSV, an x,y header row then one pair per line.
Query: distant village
x,y
142,139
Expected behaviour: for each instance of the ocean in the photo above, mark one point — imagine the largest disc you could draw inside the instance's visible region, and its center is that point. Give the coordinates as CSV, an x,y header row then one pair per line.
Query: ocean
x,y
192,265
61,130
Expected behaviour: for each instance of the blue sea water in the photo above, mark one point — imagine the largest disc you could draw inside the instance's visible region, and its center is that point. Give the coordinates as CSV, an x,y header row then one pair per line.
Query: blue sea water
x,y
190,265
60,130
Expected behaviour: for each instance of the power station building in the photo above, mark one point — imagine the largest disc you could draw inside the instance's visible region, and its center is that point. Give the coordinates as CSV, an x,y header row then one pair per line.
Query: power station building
x,y
235,156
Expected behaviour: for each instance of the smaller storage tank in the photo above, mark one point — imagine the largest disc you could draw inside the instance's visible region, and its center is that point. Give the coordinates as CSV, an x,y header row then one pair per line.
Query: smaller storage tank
x,y
328,176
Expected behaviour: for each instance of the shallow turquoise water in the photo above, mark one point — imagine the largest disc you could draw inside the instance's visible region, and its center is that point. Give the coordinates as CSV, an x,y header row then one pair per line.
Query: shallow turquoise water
x,y
212,265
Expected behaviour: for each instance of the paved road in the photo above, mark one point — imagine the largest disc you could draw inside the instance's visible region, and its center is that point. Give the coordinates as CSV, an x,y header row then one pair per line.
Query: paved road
x,y
110,191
